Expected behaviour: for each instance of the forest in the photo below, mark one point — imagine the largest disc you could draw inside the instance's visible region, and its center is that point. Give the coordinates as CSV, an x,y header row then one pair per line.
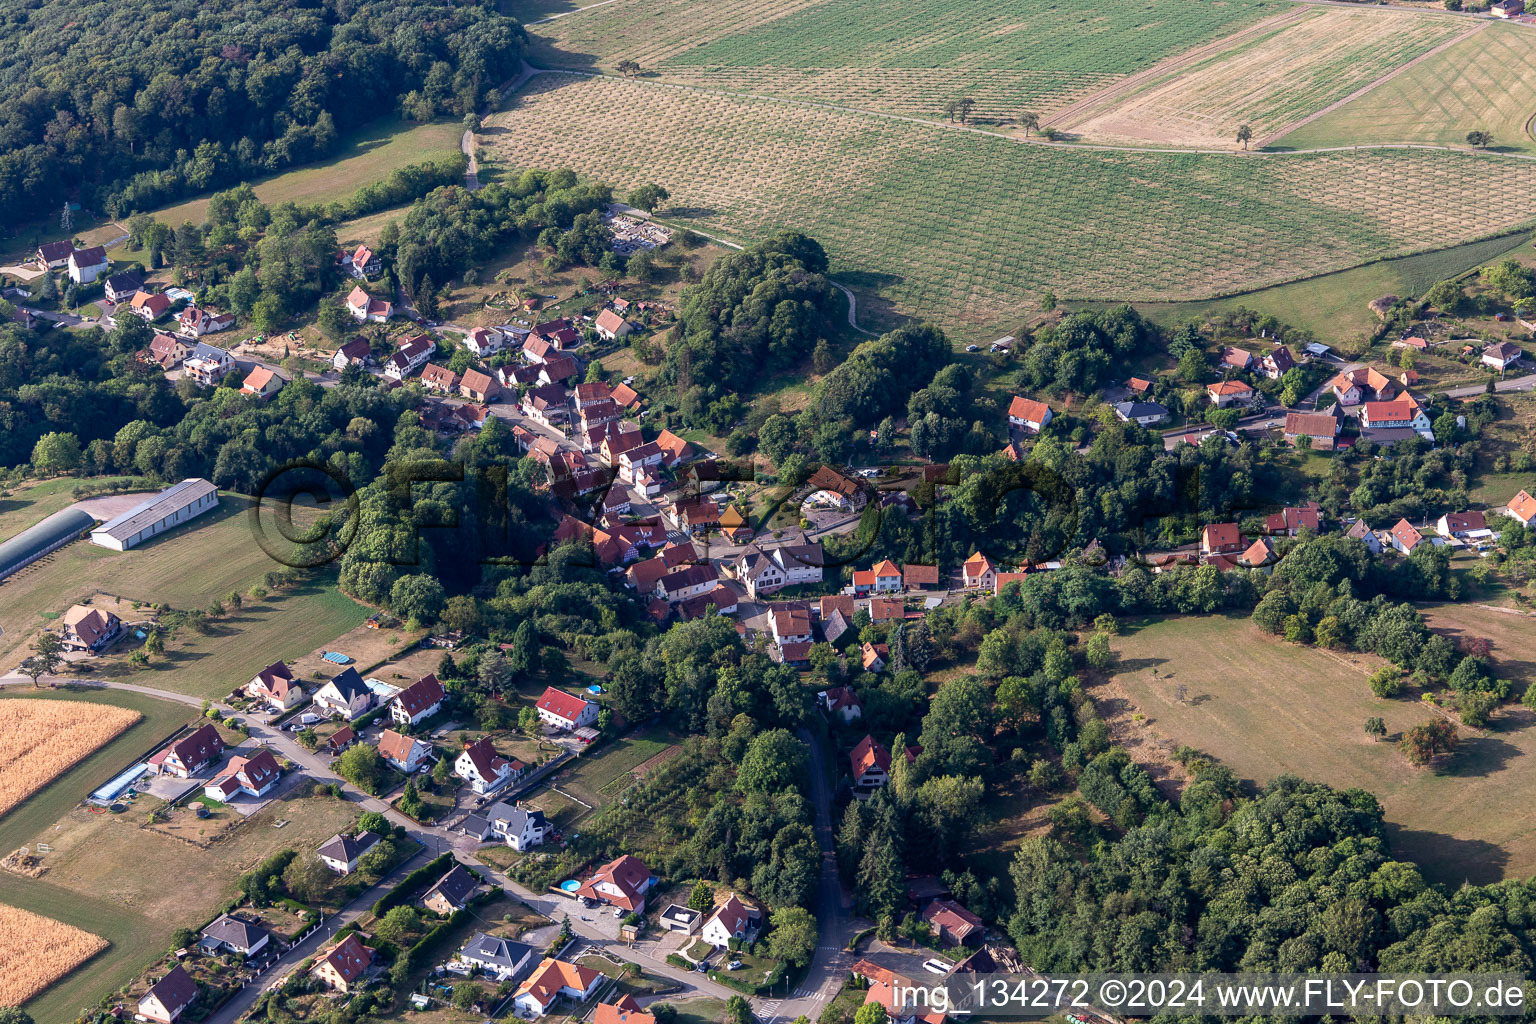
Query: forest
x,y
123,109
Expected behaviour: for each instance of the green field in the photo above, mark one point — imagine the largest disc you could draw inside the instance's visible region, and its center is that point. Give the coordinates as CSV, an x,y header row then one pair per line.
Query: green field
x,y
189,567
1481,82
900,56
361,159
1334,306
600,777
31,503
1265,708
965,225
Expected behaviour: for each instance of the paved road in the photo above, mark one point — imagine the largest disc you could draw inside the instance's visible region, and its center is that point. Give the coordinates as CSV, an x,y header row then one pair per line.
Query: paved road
x,y
596,927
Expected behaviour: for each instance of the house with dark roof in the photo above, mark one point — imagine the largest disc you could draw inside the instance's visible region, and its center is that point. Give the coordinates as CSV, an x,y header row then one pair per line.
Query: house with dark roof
x,y
952,924
356,352
169,997
253,776
190,754
451,892
1143,414
276,686
519,827
150,307
622,882
346,695
86,265
1461,525
120,287
53,255
485,770
501,958
422,699
732,919
342,852
234,935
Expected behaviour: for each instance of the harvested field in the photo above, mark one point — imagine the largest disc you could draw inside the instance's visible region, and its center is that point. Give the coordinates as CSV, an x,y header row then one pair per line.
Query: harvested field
x,y
1481,82
1269,82
36,951
901,56
45,738
935,221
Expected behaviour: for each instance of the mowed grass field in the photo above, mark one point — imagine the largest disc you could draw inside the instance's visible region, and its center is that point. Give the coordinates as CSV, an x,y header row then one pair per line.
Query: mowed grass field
x,y
899,56
1270,82
941,222
189,567
361,159
1481,82
599,778
1266,708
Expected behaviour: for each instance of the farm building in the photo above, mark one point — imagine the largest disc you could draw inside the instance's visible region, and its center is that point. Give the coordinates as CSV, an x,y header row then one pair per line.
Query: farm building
x,y
171,507
43,538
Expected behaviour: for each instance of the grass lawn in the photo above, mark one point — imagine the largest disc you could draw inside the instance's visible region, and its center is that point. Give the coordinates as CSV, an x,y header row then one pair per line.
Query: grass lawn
x,y
361,159
1477,83
189,567
1334,306
599,778
1265,707
31,503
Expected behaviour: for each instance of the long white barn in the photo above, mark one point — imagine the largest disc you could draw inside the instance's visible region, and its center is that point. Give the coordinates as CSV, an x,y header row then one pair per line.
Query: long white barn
x,y
171,507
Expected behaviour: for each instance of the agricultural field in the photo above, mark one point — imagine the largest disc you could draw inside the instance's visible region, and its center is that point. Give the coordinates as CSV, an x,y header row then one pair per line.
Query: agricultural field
x,y
1266,708
1480,82
47,738
189,567
1296,68
36,951
959,224
905,57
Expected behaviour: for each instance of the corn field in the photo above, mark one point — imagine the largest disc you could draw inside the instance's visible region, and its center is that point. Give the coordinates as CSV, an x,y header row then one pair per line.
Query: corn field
x,y
44,738
36,951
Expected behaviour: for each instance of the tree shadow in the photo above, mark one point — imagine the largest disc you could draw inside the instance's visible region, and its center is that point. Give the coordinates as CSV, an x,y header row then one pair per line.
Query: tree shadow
x,y
1446,859
1139,665
876,312
1478,756
689,212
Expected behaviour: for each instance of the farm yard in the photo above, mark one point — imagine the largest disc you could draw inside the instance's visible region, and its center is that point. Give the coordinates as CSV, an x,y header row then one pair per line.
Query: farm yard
x,y
1268,83
1266,708
47,737
36,951
904,57
1480,82
931,220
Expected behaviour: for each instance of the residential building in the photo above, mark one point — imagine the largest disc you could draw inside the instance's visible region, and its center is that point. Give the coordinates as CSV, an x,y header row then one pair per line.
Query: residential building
x,y
439,379
675,450
342,852
207,364
150,307
625,1011
565,710
557,369
1229,392
169,997
89,629
828,479
560,333
549,982
53,255
1289,522
1358,530
610,326
1507,8
363,263
1257,555
687,583
626,397
732,919
519,827
978,571
763,570
952,924
1362,384
234,935
874,657
484,341
354,353
367,309
86,265
422,699
340,740
276,686
346,695
254,776
1501,355
190,754
1234,359
1321,428
261,383
166,351
485,770
920,577
451,892
1143,414
1404,537
884,578
411,356
1461,524
344,965
501,958
479,387
549,404
120,287
1276,362
1522,507
1028,415
842,702
194,322
622,882
1221,539
870,764
1404,412
402,752
790,625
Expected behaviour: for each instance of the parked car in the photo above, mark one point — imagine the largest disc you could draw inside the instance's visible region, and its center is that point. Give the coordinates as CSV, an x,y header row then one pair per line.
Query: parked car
x,y
734,965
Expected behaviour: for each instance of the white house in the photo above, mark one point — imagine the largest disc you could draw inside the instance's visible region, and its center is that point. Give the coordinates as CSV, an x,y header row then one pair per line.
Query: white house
x,y
208,364
1502,355
86,265
501,958
422,699
1143,414
549,982
193,322
407,753
411,356
565,710
733,919
610,326
1027,414
345,695
485,770
168,997
484,341
366,309
254,776
341,853
519,827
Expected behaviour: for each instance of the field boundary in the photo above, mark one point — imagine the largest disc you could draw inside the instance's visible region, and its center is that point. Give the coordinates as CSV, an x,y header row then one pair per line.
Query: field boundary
x,y
1371,86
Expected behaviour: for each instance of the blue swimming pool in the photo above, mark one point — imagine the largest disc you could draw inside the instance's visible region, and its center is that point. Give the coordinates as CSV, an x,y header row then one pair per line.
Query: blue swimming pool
x,y
570,885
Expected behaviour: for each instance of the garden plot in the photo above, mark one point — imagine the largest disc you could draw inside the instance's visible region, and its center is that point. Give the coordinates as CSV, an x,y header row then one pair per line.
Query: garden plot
x,y
900,56
943,222
1270,82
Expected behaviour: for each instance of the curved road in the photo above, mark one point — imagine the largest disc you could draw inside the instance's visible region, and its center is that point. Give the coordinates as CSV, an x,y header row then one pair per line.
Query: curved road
x,y
823,980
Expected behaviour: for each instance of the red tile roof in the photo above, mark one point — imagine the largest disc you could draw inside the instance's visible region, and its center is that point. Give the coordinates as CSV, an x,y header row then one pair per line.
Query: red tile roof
x,y
420,695
558,702
869,754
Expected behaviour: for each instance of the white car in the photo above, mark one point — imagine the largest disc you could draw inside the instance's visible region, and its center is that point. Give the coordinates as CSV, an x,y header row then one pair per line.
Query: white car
x,y
935,966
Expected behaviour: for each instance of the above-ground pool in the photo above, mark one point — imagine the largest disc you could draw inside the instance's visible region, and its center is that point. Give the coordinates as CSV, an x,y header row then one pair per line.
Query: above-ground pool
x,y
570,885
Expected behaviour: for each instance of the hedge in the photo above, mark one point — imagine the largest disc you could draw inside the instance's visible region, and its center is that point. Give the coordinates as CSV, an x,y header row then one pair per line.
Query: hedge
x,y
401,893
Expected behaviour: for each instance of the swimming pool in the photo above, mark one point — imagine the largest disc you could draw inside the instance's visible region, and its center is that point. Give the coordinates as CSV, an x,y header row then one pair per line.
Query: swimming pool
x,y
570,885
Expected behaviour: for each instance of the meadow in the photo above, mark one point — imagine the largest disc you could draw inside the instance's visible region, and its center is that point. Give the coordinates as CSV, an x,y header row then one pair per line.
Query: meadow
x,y
965,225
1266,708
1480,82
903,56
47,737
1269,82
599,778
36,951
190,567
